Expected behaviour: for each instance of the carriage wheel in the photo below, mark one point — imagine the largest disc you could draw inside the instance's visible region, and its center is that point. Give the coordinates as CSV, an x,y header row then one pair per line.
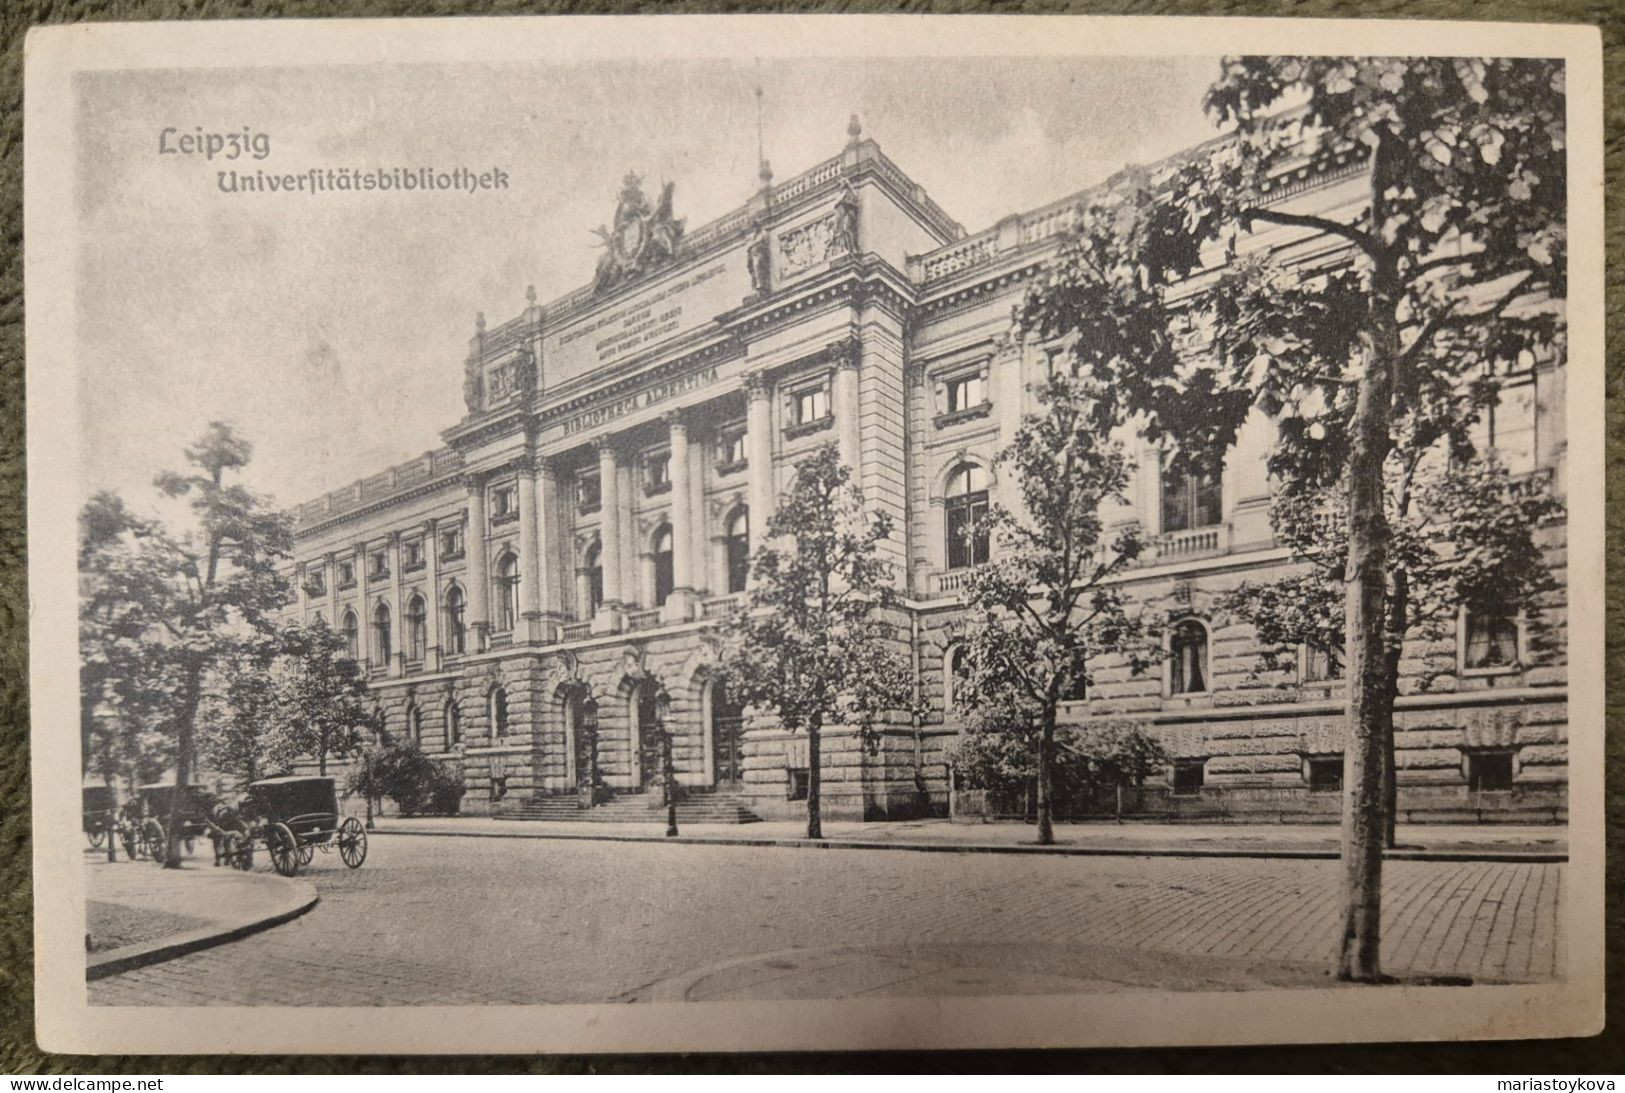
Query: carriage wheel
x,y
95,835
352,842
306,852
239,851
153,841
284,849
132,846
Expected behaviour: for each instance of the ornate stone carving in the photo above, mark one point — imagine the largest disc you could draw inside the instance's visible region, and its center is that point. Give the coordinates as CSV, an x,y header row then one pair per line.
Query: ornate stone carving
x,y
759,262
846,353
473,385
844,235
641,239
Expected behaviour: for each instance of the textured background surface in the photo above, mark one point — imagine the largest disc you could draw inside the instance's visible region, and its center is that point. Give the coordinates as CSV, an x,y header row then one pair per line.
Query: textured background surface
x,y
18,1051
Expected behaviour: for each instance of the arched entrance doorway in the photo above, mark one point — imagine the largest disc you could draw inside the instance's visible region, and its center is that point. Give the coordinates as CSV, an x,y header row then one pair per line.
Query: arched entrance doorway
x,y
582,711
647,711
727,726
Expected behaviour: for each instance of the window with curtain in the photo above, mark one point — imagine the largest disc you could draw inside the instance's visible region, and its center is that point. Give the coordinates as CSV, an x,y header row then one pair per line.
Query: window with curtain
x,y
738,543
595,577
1187,658
454,723
1492,641
352,634
499,712
965,508
414,726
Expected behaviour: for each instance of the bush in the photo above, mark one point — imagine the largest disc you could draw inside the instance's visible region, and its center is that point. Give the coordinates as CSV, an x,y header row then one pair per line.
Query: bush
x,y
416,783
1090,760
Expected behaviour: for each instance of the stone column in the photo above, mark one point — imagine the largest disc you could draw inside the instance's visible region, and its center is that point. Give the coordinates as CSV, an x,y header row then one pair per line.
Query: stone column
x,y
846,405
530,556
363,612
552,551
397,608
680,604
431,575
479,581
759,452
608,616
330,560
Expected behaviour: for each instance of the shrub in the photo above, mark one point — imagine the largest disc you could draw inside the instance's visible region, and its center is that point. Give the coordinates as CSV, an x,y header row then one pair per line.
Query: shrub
x,y
1090,759
416,783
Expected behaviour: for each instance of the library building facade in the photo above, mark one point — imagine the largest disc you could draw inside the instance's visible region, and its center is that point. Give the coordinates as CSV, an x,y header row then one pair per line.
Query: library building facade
x,y
518,592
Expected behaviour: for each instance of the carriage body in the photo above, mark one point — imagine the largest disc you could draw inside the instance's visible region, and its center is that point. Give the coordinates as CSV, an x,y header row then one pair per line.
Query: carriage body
x,y
294,816
98,810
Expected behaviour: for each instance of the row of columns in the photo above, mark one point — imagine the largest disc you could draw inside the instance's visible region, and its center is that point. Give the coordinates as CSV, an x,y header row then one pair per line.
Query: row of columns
x,y
545,555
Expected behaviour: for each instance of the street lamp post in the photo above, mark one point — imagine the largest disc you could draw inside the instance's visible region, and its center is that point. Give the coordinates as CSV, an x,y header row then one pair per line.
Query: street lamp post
x,y
366,774
668,771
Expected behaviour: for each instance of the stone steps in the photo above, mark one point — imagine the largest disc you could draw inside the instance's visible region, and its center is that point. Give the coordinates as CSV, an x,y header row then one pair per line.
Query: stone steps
x,y
697,807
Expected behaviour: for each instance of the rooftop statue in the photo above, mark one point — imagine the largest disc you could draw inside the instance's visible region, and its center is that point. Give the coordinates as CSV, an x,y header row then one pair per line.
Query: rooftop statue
x,y
641,238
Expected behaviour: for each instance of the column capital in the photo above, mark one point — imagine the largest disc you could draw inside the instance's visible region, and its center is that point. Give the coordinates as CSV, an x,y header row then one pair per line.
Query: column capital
x,y
757,385
474,480
675,420
328,557
394,538
430,526
846,353
607,444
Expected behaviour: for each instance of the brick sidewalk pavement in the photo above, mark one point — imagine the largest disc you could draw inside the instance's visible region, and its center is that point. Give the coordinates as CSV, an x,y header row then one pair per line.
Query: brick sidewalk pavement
x,y
460,921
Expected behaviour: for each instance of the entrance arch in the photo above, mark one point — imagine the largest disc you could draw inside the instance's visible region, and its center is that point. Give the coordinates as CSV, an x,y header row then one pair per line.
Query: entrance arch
x,y
581,747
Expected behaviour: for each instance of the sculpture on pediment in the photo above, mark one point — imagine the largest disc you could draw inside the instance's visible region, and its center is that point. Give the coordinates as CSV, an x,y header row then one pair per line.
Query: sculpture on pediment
x,y
758,262
640,239
524,369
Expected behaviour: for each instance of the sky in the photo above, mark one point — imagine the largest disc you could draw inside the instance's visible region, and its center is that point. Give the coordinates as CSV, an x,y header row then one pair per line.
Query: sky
x,y
331,330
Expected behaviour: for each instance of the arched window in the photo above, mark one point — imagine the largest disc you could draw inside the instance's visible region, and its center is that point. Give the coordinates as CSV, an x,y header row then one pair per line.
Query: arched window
x,y
507,592
966,507
380,635
595,578
1187,658
499,712
953,679
417,629
663,564
414,726
738,550
454,724
456,637
352,634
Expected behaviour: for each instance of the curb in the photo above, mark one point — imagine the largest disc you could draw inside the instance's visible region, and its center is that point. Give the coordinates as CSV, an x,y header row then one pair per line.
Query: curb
x,y
302,898
1526,856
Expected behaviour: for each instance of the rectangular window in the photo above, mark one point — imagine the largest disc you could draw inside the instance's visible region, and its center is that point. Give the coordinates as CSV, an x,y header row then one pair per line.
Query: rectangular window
x,y
451,543
1491,642
588,496
1190,501
378,565
796,783
731,450
1188,776
1489,770
1508,428
316,582
504,504
966,391
657,473
812,405
1321,665
412,553
346,574
1326,774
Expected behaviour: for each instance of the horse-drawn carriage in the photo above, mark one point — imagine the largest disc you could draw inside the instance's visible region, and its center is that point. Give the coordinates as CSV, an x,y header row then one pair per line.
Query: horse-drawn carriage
x,y
157,808
294,817
99,810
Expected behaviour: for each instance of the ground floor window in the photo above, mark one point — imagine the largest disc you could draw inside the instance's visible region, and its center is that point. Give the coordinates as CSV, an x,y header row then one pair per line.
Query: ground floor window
x,y
1489,770
1189,774
799,778
1326,774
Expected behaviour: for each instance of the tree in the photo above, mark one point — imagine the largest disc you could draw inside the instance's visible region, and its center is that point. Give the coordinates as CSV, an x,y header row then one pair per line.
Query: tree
x,y
1464,535
1458,238
324,698
812,645
1047,607
176,608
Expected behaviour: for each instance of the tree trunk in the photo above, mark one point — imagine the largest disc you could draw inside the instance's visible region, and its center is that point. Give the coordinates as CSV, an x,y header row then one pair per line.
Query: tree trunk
x,y
1370,705
1046,751
321,760
1398,624
815,820
183,767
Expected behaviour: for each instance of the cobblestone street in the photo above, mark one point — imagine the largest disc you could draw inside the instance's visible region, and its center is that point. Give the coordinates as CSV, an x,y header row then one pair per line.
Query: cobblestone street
x,y
446,921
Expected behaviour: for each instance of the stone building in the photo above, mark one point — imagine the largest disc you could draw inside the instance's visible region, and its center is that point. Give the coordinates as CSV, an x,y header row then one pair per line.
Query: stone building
x,y
586,524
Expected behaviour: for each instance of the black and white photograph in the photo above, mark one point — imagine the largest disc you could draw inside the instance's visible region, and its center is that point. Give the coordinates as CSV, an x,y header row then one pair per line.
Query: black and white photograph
x,y
711,533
